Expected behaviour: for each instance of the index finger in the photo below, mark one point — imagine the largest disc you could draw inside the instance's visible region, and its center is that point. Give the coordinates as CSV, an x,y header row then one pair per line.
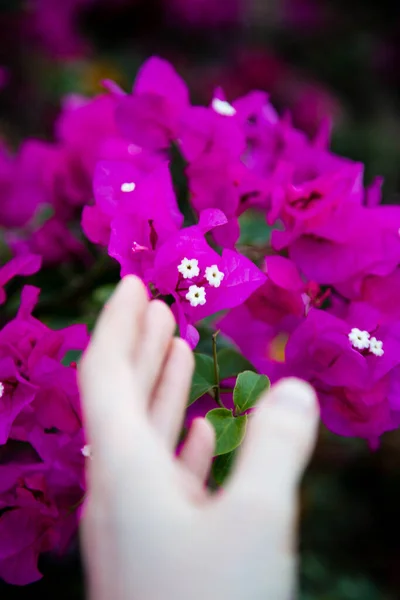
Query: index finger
x,y
106,373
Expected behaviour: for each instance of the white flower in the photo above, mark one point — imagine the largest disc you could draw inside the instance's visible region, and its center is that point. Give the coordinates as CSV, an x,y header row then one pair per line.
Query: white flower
x,y
189,268
128,187
87,451
222,107
375,346
1,389
359,339
196,295
214,276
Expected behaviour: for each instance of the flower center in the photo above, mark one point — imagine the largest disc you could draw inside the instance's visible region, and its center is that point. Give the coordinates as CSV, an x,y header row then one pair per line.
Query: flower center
x,y
359,339
189,268
214,276
196,295
128,187
376,347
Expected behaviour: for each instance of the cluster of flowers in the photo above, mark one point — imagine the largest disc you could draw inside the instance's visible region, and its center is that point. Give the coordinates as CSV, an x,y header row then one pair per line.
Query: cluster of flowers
x,y
317,300
42,483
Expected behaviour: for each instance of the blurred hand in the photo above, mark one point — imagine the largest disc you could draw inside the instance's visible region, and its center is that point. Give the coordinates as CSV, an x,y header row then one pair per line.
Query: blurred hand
x,y
151,530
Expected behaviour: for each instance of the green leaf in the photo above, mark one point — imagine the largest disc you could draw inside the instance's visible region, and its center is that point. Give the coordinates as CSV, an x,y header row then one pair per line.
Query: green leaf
x,y
231,363
229,430
203,378
222,466
253,228
249,387
205,343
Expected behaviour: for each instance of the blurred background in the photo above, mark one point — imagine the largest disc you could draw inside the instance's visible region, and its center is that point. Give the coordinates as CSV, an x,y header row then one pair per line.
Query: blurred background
x,y
316,58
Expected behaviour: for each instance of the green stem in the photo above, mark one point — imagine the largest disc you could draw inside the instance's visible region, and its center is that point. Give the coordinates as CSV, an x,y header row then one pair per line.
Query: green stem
x,y
217,392
225,390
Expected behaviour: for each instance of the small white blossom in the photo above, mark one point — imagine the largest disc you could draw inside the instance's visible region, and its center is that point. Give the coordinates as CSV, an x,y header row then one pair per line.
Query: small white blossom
x,y
128,187
214,276
189,268
1,389
375,346
359,339
222,107
196,295
87,451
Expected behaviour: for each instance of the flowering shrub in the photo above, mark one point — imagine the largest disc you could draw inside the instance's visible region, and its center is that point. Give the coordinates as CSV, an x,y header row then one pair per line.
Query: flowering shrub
x,y
274,258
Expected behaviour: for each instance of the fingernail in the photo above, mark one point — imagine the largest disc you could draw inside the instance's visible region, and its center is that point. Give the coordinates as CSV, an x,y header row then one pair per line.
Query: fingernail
x,y
295,394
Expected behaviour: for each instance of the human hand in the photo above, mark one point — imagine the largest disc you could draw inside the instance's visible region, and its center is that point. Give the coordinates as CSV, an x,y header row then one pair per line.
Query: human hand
x,y
151,530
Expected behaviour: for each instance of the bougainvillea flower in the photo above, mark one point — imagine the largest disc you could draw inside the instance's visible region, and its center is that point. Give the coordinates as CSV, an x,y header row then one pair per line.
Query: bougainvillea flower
x,y
373,193
54,27
219,282
30,357
16,392
207,131
41,514
63,182
352,256
262,324
150,117
141,210
25,533
380,292
212,185
281,295
261,343
354,365
213,144
22,265
308,208
85,133
85,125
96,225
53,241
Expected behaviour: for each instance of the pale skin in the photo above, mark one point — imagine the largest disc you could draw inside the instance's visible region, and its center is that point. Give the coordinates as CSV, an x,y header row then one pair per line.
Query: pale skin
x,y
151,530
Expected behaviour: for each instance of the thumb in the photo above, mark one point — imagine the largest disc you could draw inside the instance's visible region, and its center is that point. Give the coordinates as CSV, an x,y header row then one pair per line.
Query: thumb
x,y
278,444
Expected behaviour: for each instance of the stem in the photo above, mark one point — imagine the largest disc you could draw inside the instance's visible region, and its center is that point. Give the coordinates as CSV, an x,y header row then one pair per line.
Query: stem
x,y
154,291
217,394
226,390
